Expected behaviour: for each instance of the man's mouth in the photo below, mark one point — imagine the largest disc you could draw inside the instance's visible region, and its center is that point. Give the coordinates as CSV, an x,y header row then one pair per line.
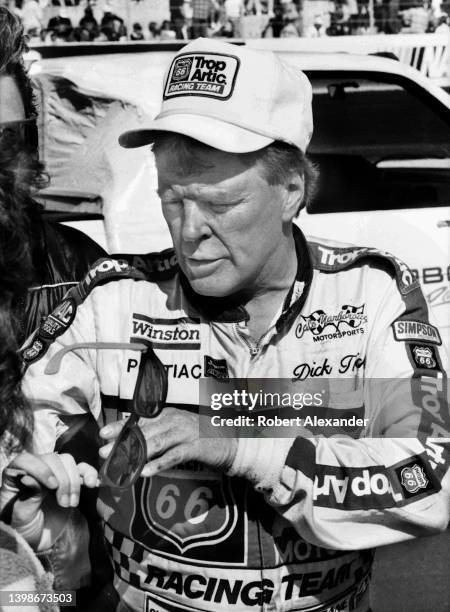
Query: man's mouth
x,y
197,265
201,260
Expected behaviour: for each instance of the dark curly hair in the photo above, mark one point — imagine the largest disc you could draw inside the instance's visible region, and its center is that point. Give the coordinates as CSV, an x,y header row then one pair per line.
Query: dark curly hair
x,y
13,45
20,173
15,276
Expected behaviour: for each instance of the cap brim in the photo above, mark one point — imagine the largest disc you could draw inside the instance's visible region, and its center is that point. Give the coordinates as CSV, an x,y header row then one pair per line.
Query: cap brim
x,y
212,132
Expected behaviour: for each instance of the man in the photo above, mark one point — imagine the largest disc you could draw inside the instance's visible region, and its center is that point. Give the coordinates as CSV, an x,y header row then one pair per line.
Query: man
x,y
60,254
201,16
226,522
416,18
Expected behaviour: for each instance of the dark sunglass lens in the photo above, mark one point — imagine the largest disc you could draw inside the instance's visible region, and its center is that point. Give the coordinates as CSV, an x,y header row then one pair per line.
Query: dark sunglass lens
x,y
151,389
127,459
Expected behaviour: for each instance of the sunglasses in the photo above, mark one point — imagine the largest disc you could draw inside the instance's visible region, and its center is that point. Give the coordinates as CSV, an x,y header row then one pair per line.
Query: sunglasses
x,y
23,132
129,454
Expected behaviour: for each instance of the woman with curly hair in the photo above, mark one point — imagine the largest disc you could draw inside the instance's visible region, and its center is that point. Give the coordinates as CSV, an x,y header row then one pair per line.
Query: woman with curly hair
x,y
19,568
38,263
60,255
25,478
30,475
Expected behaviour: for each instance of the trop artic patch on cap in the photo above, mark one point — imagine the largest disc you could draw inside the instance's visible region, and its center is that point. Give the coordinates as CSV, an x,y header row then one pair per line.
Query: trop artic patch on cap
x,y
212,75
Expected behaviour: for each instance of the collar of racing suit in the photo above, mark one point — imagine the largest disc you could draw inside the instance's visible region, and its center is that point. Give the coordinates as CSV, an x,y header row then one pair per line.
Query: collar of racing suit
x,y
230,310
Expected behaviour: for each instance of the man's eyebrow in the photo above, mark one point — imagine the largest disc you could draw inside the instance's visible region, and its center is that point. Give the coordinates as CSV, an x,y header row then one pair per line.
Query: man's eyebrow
x,y
205,191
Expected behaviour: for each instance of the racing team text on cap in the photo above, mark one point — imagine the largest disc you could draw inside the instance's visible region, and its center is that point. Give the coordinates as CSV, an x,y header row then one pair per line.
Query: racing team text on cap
x,y
212,75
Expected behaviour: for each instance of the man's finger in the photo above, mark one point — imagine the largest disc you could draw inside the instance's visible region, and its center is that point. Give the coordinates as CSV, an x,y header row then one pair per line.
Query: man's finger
x,y
161,441
105,450
172,458
112,430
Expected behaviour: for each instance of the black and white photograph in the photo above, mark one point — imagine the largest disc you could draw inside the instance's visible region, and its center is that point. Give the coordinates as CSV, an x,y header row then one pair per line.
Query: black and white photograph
x,y
224,305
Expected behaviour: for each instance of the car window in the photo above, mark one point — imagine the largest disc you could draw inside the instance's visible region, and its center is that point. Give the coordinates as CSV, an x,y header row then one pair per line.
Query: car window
x,y
378,145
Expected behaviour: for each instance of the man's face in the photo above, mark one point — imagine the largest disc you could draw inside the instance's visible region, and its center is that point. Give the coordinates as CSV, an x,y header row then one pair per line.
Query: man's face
x,y
226,222
11,105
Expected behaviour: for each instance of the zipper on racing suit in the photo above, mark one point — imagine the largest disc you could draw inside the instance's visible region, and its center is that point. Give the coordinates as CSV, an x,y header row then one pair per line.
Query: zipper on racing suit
x,y
254,348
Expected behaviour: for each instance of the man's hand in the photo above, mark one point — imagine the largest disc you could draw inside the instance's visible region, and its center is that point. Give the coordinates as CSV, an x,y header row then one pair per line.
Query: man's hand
x,y
172,438
30,478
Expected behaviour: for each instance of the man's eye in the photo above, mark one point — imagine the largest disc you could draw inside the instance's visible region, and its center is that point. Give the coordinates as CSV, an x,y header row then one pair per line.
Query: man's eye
x,y
219,206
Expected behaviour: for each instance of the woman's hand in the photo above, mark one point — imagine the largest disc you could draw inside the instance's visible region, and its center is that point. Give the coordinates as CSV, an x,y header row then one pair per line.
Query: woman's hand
x,y
30,478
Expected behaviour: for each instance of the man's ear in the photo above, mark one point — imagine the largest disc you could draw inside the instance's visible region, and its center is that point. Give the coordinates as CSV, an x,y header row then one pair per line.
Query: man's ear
x,y
295,192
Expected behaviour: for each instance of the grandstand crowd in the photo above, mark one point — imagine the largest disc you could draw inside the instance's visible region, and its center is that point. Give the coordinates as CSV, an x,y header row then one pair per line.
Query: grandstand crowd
x,y
63,21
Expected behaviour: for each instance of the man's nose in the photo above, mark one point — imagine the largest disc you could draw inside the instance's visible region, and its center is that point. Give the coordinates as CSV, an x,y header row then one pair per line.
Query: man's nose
x,y
195,226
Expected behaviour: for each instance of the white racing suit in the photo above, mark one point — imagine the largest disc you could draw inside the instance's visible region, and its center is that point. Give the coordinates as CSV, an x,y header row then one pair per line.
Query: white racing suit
x,y
295,533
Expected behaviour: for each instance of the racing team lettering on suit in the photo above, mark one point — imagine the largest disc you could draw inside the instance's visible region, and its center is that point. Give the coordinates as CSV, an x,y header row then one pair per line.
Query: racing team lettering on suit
x,y
194,539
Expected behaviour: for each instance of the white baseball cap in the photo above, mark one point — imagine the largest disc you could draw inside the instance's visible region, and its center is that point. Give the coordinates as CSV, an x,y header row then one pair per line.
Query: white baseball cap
x,y
232,98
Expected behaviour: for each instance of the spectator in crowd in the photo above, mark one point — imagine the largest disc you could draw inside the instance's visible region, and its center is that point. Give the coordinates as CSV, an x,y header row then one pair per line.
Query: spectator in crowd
x,y
201,15
88,22
136,32
386,14
34,36
359,23
416,19
443,25
317,28
167,32
154,33
32,16
291,28
220,26
60,27
227,30
340,19
82,35
275,25
348,17
113,28
234,11
177,17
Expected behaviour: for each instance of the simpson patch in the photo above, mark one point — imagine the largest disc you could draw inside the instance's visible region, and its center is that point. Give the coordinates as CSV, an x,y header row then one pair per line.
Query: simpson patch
x,y
202,74
416,331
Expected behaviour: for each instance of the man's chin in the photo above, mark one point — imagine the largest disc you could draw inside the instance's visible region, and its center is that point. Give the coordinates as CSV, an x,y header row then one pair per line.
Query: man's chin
x,y
209,287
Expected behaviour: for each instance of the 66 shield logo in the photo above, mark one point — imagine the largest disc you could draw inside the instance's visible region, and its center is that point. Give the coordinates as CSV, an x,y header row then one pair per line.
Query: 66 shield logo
x,y
181,513
413,478
423,356
182,69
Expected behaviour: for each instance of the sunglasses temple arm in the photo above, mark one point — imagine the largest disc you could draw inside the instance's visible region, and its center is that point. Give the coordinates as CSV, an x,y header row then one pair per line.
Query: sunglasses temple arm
x,y
54,362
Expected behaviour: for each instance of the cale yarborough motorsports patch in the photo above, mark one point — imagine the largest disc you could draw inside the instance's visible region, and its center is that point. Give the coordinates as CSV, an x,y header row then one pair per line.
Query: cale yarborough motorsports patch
x,y
206,74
